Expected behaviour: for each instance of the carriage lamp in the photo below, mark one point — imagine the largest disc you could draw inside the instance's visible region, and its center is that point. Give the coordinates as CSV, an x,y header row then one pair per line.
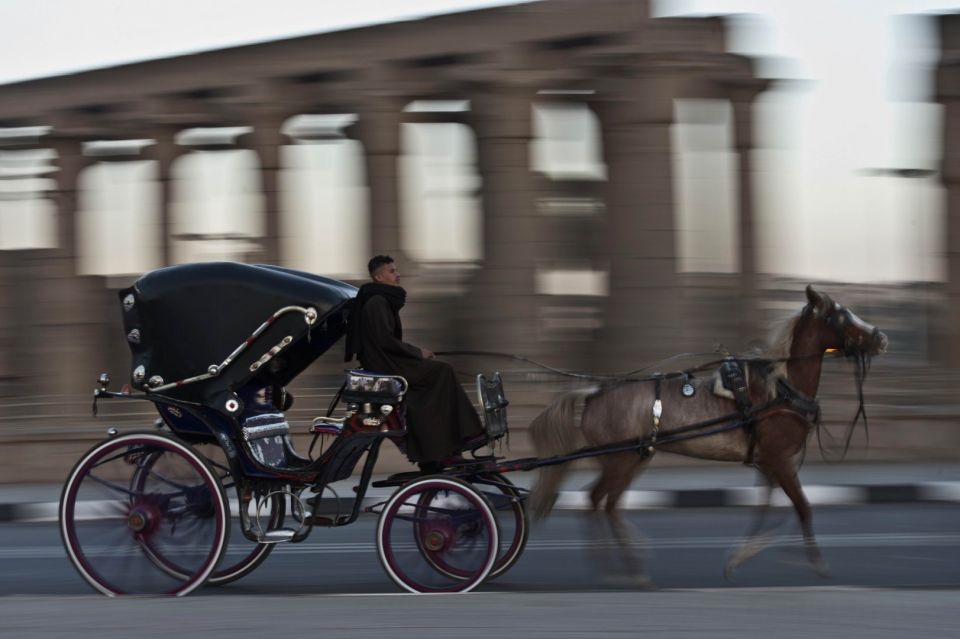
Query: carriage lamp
x,y
103,381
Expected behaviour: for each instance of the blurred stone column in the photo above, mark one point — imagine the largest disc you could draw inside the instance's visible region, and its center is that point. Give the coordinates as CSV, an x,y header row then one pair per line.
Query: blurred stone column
x,y
640,323
266,140
948,94
950,174
502,307
742,98
165,151
34,294
378,130
68,309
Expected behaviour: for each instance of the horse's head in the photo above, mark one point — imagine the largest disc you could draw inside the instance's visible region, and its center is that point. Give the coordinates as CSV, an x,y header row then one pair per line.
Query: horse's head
x,y
846,332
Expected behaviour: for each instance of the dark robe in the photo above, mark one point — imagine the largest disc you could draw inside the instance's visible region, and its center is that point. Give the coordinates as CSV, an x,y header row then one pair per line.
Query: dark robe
x,y
440,417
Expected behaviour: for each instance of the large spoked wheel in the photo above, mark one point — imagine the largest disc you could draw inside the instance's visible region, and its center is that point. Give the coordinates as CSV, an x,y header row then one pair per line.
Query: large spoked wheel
x,y
143,513
241,556
437,534
508,504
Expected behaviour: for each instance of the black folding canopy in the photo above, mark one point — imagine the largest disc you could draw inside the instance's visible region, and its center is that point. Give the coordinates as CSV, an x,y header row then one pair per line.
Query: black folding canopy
x,y
182,321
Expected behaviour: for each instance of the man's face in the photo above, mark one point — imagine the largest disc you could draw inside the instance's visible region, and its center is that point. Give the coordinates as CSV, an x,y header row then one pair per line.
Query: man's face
x,y
387,274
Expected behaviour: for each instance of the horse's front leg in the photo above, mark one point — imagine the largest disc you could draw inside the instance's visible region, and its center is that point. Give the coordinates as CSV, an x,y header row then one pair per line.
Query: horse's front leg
x,y
786,476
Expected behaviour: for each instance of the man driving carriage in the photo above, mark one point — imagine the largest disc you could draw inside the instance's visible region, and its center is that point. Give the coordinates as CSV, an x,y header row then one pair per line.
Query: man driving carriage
x,y
441,420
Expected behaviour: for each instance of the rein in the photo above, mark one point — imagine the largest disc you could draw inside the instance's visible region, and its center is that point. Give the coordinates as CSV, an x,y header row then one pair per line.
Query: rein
x,y
861,364
861,368
628,377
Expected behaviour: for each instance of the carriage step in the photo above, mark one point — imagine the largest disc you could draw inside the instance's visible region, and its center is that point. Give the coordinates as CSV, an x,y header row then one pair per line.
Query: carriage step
x,y
277,536
396,480
323,520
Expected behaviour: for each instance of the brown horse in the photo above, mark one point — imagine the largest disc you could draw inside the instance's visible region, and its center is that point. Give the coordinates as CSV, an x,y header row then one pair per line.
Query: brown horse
x,y
768,423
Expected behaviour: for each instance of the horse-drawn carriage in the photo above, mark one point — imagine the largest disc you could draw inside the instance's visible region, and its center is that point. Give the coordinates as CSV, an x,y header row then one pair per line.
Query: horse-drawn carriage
x,y
150,512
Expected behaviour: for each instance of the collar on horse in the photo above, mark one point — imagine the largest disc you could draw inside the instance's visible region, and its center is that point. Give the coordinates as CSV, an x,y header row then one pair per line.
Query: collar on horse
x,y
787,399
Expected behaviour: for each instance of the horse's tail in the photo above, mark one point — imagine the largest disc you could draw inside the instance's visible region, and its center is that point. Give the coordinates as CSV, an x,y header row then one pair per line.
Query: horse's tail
x,y
555,431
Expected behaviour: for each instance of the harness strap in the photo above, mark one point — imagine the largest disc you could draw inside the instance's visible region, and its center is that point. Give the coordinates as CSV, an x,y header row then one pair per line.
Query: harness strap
x,y
793,401
805,406
735,380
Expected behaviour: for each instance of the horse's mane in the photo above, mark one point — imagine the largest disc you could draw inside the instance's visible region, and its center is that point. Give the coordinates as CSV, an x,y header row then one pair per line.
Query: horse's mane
x,y
782,340
778,352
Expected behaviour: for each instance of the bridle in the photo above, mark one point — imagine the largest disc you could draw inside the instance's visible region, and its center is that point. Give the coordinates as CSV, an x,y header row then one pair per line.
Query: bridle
x,y
839,320
854,347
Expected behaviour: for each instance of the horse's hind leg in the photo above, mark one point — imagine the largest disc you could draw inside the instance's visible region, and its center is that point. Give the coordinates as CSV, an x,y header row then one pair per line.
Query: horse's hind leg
x,y
596,530
618,480
754,541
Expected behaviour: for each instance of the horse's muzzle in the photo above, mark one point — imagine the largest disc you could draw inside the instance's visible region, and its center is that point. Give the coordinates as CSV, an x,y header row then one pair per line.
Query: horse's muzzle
x,y
879,342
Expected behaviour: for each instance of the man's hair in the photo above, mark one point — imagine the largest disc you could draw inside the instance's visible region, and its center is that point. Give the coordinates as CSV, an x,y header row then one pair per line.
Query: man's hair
x,y
376,262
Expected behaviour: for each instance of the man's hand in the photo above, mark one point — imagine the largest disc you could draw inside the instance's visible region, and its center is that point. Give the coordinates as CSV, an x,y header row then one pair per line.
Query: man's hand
x,y
427,354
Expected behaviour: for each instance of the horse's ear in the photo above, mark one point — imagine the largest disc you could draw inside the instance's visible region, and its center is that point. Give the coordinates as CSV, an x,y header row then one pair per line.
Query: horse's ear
x,y
816,299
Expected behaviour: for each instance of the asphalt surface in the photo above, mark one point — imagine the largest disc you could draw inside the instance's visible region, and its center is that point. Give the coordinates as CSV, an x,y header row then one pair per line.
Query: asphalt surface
x,y
895,573
889,532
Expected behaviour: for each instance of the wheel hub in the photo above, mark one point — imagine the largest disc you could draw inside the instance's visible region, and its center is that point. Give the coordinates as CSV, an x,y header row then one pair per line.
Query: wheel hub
x,y
435,540
142,519
138,521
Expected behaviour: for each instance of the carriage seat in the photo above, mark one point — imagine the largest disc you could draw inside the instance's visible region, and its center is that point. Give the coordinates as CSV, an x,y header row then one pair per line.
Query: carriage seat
x,y
374,401
264,430
362,386
266,437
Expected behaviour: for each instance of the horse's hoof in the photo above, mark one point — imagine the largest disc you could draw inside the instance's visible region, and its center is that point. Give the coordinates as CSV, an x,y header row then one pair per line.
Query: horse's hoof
x,y
822,569
730,567
728,571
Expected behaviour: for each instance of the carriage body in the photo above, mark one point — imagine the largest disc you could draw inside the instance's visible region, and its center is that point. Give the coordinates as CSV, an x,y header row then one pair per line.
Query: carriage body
x,y
213,346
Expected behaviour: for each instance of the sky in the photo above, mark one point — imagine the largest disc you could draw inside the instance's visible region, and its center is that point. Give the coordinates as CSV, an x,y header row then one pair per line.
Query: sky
x,y
854,99
52,37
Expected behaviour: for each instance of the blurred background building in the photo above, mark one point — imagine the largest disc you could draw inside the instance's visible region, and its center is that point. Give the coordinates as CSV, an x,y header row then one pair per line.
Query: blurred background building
x,y
574,181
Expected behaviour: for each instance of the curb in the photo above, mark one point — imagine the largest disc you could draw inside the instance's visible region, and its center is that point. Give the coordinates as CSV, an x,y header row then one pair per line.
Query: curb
x,y
817,495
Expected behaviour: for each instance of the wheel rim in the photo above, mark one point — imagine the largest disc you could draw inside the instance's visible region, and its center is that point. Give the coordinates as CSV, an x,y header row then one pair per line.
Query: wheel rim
x,y
437,535
512,518
143,514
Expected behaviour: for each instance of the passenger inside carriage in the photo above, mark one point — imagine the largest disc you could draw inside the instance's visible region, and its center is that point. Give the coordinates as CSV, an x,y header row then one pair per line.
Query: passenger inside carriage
x,y
441,421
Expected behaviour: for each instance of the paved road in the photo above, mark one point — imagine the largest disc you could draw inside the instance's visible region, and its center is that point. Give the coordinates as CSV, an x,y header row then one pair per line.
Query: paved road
x,y
902,546
896,573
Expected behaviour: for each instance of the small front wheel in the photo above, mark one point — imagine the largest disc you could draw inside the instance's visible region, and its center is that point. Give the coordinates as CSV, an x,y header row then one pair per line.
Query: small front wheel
x,y
437,534
143,513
